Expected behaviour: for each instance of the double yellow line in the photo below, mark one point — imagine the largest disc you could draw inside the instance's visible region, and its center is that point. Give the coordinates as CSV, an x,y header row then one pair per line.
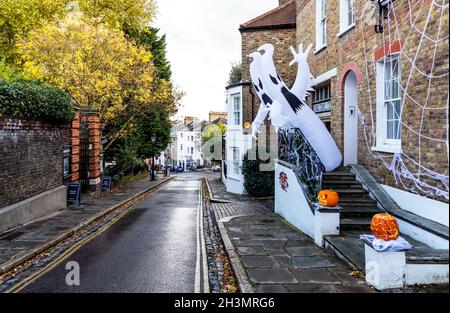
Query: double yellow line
x,y
69,252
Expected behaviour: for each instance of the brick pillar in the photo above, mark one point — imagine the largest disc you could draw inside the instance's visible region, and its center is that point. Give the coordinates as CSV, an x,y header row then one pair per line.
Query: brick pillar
x,y
92,118
75,147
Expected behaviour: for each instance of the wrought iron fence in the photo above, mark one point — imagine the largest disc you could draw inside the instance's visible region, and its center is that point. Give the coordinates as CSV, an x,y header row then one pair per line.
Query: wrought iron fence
x,y
296,150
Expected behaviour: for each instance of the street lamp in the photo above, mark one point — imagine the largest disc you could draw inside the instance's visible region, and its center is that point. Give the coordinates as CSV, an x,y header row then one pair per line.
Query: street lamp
x,y
153,140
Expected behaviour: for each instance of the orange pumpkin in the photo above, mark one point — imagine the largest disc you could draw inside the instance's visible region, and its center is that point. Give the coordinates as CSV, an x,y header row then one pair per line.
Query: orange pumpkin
x,y
385,227
328,198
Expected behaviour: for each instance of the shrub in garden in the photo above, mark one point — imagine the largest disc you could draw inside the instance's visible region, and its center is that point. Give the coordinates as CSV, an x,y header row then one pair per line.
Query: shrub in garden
x,y
258,181
33,100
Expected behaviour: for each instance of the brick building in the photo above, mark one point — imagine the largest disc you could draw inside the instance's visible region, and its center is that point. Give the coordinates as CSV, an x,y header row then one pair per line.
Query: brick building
x,y
384,98
349,62
278,27
349,55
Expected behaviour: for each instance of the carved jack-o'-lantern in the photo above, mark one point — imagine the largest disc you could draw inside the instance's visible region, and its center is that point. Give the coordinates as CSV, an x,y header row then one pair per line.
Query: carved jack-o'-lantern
x,y
385,227
328,198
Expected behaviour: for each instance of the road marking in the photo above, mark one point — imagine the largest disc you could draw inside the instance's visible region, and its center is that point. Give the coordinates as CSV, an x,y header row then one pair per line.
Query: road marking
x,y
197,284
66,254
203,242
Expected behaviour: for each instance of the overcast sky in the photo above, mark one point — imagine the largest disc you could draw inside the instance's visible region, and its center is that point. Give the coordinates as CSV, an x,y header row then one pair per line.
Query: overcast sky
x,y
202,41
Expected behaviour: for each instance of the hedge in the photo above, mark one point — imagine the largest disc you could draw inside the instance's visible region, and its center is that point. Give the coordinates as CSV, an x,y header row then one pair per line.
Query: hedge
x,y
33,100
258,183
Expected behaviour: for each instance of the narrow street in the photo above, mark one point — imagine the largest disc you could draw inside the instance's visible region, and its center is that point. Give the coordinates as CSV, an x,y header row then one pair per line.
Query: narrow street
x,y
152,249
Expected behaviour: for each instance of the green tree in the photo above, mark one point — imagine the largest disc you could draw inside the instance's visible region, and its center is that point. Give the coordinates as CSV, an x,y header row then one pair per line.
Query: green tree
x,y
157,45
212,137
235,75
155,124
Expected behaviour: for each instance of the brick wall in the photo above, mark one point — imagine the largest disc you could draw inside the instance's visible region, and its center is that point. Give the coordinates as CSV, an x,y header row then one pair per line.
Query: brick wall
x,y
31,159
282,39
362,41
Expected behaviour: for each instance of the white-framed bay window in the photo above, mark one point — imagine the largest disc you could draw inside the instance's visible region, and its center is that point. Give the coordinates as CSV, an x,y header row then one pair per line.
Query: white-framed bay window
x,y
236,109
321,24
346,16
389,104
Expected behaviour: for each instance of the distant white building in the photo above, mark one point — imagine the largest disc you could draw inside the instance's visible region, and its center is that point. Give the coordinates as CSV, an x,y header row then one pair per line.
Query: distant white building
x,y
185,147
237,143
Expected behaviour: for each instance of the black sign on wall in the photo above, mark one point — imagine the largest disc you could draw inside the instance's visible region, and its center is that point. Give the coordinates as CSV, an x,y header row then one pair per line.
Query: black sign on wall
x,y
106,184
73,193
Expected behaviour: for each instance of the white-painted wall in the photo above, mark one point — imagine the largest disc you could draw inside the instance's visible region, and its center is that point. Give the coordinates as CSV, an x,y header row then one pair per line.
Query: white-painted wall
x,y
292,204
235,138
188,145
430,209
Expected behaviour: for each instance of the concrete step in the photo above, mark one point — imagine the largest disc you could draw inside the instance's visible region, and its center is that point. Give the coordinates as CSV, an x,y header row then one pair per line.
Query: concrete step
x,y
350,248
341,184
357,201
339,176
355,223
359,212
347,191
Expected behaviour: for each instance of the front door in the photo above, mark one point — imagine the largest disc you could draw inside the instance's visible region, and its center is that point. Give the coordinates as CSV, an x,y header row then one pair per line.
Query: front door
x,y
351,120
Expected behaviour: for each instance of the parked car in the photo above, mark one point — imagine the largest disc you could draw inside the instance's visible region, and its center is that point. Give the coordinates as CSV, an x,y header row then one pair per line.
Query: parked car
x,y
216,168
179,169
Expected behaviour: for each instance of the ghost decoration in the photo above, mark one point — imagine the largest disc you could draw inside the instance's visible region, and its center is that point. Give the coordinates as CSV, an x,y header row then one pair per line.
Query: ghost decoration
x,y
288,108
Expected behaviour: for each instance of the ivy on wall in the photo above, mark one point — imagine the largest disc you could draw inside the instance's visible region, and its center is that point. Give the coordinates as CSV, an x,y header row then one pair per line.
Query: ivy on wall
x,y
33,100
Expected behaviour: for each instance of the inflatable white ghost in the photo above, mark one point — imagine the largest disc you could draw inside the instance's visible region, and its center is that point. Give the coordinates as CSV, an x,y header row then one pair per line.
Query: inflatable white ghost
x,y
288,108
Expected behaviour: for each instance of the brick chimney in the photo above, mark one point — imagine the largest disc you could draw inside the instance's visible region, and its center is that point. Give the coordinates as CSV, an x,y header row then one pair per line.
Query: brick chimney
x,y
188,120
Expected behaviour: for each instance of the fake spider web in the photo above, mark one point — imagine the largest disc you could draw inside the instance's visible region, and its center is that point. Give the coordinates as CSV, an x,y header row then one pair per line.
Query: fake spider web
x,y
423,87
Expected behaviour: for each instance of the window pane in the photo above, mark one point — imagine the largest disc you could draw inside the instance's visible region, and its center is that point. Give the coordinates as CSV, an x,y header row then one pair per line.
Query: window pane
x,y
350,11
237,118
397,108
390,128
237,101
395,90
390,111
387,71
396,130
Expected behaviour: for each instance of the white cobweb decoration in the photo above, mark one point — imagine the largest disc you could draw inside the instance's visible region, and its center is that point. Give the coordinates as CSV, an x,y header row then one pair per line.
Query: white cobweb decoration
x,y
423,87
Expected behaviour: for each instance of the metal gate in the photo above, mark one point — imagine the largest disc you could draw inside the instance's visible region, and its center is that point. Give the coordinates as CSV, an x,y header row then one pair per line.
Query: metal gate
x,y
84,156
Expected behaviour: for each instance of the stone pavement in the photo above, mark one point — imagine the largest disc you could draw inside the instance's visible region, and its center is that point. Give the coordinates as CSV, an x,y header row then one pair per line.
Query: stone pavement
x,y
277,258
23,239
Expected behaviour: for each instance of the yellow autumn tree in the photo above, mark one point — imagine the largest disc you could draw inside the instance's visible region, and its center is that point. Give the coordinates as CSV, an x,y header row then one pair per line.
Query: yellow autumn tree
x,y
97,65
119,13
19,17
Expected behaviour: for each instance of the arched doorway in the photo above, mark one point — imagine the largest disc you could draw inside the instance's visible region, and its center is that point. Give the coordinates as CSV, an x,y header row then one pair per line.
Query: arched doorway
x,y
350,119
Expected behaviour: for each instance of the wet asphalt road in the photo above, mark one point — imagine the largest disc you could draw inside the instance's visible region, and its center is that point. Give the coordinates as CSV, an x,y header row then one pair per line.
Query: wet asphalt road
x,y
151,249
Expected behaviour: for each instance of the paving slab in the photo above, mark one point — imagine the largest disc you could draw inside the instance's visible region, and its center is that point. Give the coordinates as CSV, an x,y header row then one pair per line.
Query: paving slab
x,y
312,262
279,259
271,276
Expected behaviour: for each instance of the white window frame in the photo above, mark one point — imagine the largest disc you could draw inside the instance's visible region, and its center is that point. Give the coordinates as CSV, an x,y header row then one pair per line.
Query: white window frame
x,y
236,160
383,143
321,25
234,111
346,16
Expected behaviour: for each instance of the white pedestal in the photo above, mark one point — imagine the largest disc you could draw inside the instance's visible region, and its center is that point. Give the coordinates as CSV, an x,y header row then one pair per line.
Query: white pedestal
x,y
385,270
327,221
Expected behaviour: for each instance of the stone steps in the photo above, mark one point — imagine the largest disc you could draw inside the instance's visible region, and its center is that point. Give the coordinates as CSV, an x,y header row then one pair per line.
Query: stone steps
x,y
339,184
358,207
